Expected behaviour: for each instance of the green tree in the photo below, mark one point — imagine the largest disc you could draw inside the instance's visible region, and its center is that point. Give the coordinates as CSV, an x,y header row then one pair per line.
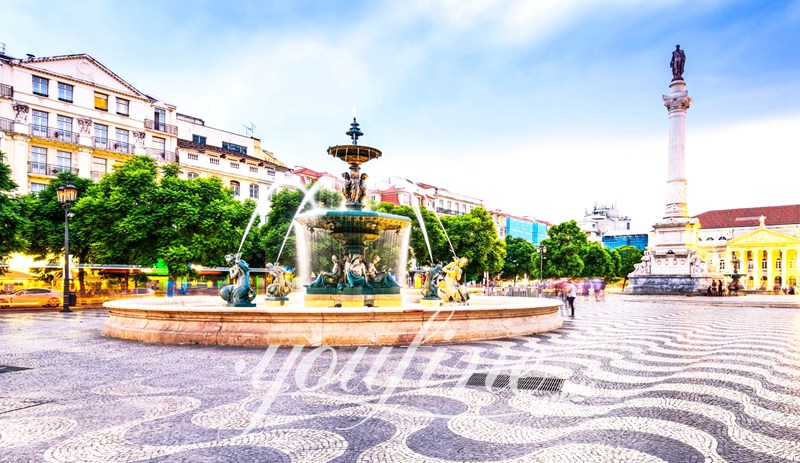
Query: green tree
x,y
629,256
519,258
130,217
564,243
473,236
45,226
12,220
597,261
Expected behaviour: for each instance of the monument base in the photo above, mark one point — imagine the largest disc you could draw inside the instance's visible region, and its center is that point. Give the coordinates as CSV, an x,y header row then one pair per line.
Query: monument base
x,y
669,284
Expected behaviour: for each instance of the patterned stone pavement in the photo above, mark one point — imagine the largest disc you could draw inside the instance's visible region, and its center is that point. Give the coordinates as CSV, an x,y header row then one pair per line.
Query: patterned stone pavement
x,y
646,380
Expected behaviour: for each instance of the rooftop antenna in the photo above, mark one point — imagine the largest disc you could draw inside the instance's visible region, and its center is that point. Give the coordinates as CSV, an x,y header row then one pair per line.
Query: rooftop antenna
x,y
249,130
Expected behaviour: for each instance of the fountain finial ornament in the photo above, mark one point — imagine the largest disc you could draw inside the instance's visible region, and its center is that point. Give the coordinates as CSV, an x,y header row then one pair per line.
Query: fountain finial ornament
x,y
677,63
354,132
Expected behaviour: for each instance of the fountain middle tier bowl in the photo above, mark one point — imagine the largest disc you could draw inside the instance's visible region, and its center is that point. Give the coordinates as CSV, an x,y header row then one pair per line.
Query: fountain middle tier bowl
x,y
347,226
354,155
205,320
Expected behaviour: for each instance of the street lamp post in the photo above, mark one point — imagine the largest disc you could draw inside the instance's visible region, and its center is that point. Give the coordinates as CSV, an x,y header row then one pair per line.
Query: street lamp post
x,y
542,250
66,196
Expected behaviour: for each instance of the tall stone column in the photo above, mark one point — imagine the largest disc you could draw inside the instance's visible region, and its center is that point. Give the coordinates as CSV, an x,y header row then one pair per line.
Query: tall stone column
x,y
677,102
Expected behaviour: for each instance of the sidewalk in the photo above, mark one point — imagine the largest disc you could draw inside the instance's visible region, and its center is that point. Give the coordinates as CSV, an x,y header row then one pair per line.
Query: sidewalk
x,y
750,300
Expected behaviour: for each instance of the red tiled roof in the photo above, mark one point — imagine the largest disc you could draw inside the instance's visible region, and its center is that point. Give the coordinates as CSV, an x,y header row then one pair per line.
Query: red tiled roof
x,y
749,217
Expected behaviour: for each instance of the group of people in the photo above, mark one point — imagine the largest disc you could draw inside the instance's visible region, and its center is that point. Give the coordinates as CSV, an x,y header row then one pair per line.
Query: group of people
x,y
355,186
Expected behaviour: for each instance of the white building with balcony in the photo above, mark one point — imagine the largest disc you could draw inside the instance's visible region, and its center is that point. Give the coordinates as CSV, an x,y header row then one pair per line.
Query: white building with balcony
x,y
71,113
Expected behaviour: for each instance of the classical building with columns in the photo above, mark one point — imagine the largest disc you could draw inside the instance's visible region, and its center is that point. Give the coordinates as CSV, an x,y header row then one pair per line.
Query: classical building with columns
x,y
766,240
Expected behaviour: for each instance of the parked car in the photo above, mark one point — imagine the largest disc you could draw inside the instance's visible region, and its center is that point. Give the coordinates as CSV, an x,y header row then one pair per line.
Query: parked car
x,y
32,297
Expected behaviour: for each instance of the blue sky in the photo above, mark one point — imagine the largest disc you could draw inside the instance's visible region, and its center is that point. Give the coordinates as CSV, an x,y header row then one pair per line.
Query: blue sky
x,y
540,108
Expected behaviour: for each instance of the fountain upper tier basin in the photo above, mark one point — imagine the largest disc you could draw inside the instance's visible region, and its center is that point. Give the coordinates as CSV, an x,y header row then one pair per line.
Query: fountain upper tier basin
x,y
204,320
358,225
355,155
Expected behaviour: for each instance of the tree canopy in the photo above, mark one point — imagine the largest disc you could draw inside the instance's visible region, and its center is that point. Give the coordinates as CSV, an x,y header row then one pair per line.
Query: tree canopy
x,y
132,217
520,258
12,219
473,236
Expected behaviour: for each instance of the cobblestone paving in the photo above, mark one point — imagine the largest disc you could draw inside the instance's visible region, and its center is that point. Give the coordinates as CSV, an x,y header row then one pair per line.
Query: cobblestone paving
x,y
646,380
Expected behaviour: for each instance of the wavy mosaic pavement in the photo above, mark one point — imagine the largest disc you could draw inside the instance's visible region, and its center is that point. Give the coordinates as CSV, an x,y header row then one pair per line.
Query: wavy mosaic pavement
x,y
646,380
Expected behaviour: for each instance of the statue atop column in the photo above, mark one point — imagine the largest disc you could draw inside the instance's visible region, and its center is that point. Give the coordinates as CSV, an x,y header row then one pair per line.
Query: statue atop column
x,y
677,63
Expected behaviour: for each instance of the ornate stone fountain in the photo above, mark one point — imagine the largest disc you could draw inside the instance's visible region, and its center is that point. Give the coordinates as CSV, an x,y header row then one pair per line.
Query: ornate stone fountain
x,y
354,280
353,304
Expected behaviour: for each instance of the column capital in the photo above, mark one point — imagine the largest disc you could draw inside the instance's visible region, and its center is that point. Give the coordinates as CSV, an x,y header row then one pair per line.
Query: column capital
x,y
679,101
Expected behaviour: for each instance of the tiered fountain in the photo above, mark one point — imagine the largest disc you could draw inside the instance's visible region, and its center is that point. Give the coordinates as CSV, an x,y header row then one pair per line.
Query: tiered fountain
x,y
354,304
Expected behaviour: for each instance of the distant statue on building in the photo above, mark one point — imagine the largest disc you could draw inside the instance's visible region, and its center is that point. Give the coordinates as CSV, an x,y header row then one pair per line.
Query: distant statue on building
x,y
643,268
697,264
677,63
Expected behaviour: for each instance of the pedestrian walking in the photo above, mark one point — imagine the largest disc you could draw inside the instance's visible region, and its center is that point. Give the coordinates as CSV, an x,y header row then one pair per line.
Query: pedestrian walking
x,y
571,292
586,286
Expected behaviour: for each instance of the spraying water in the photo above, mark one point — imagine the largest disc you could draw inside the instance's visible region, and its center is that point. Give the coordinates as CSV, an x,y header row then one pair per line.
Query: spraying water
x,y
253,217
424,229
445,235
308,194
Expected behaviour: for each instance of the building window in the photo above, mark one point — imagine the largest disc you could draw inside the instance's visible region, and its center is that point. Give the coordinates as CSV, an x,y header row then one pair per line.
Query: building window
x,y
791,264
722,264
101,136
234,147
253,191
64,161
37,187
160,117
160,144
199,139
99,168
100,101
123,107
65,92
40,123
122,141
193,156
441,203
271,172
38,160
235,189
191,175
750,264
449,205
234,165
214,161
65,126
404,199
778,263
254,169
763,264
374,198
40,86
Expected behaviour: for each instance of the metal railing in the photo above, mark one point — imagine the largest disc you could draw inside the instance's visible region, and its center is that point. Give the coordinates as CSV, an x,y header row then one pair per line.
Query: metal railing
x,y
120,146
162,155
51,133
42,168
6,91
6,125
161,126
442,210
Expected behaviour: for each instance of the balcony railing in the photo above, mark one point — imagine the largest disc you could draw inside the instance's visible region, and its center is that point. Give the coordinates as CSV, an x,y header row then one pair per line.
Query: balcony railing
x,y
97,175
442,210
161,127
41,168
161,155
6,91
6,125
120,146
51,133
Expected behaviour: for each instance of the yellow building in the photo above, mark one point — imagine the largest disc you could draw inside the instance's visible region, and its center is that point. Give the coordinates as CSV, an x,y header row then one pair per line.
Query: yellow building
x,y
766,240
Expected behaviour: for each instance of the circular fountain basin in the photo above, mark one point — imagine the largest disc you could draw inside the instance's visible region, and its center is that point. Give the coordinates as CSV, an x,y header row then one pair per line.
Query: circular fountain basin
x,y
204,320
